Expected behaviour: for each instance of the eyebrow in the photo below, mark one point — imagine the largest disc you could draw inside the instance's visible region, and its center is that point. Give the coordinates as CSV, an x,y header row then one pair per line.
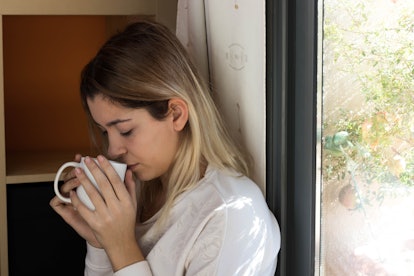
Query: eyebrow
x,y
117,121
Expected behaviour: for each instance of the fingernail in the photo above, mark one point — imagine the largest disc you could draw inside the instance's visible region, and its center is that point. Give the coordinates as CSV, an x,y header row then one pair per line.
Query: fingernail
x,y
100,158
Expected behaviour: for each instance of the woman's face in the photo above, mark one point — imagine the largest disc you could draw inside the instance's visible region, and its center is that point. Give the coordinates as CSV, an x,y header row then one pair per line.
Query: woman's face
x,y
146,145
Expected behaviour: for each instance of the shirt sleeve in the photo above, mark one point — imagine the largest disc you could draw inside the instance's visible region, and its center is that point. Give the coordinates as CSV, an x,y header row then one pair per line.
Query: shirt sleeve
x,y
140,268
97,263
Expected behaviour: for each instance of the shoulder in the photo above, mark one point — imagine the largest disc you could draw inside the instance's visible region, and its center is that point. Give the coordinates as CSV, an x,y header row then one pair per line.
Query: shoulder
x,y
233,197
239,212
231,189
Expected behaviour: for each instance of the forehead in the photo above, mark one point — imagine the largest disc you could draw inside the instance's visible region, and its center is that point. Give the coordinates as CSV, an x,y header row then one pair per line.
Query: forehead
x,y
105,111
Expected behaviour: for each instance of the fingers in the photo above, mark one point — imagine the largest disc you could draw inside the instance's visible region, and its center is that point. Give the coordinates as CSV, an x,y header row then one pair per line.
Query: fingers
x,y
66,211
112,189
131,186
72,217
71,174
118,185
69,185
114,216
78,157
89,188
104,176
124,192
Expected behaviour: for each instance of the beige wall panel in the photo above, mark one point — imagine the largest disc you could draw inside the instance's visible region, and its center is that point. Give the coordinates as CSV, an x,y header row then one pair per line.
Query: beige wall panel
x,y
236,52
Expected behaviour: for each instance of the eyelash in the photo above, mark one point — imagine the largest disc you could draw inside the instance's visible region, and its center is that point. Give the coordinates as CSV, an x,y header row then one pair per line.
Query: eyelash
x,y
127,133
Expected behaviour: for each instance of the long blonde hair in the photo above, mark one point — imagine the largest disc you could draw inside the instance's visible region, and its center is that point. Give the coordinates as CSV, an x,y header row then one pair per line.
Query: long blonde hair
x,y
143,67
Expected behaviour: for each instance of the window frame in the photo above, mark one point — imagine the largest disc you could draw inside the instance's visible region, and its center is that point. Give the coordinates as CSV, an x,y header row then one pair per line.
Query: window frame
x,y
291,109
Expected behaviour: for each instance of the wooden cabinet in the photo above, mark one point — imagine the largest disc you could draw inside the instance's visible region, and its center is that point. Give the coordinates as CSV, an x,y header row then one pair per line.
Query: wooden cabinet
x,y
44,45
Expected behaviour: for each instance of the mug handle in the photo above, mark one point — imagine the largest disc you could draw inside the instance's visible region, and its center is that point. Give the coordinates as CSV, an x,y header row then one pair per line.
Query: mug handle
x,y
57,177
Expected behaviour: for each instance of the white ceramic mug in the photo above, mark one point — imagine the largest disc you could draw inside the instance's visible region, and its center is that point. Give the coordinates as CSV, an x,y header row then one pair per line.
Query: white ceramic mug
x,y
120,168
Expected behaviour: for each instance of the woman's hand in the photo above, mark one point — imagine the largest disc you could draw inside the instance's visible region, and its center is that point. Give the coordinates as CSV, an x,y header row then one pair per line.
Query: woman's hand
x,y
114,218
69,213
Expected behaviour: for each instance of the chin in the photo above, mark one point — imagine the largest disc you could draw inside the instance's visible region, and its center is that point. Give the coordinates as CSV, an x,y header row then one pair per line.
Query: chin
x,y
142,176
147,174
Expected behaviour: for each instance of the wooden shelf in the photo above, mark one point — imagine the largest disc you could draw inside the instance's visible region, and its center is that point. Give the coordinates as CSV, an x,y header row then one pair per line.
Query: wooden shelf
x,y
79,7
33,167
38,96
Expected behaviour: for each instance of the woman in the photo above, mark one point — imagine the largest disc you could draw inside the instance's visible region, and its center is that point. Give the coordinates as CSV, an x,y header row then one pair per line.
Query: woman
x,y
195,212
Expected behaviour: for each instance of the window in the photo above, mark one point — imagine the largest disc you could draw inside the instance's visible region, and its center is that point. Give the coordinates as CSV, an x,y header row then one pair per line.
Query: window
x,y
367,127
291,132
340,165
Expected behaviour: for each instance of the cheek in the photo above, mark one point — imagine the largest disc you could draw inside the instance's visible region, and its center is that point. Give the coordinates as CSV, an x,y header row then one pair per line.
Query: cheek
x,y
167,149
165,145
159,145
155,156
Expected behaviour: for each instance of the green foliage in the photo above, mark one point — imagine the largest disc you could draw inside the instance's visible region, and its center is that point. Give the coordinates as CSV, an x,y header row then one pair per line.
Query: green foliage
x,y
378,55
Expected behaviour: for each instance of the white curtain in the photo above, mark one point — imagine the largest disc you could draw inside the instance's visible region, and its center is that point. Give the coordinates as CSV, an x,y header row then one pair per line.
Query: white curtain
x,y
227,41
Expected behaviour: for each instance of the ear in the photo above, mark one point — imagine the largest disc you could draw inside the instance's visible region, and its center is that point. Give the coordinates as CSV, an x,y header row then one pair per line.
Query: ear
x,y
179,110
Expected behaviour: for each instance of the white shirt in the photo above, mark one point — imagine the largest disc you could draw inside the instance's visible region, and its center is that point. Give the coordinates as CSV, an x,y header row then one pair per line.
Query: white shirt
x,y
221,227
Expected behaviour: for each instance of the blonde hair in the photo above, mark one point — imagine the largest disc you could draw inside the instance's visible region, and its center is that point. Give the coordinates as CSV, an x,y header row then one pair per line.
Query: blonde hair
x,y
143,67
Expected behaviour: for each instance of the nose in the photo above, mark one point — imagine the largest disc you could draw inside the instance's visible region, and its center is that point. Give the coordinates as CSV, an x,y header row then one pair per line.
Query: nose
x,y
116,148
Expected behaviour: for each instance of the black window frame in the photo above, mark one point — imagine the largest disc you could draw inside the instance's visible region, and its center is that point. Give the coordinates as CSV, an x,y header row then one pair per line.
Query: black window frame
x,y
291,97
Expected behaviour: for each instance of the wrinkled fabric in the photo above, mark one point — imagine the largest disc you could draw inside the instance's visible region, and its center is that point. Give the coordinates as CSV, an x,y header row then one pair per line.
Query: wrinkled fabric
x,y
222,227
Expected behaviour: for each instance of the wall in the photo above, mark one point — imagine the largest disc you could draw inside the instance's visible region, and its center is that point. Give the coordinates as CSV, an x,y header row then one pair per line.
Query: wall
x,y
236,53
227,42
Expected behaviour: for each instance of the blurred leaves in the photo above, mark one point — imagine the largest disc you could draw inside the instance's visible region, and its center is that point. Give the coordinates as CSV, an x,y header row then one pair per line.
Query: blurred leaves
x,y
375,143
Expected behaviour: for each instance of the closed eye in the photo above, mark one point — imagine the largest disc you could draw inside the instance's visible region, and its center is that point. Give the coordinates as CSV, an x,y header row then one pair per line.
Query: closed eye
x,y
127,133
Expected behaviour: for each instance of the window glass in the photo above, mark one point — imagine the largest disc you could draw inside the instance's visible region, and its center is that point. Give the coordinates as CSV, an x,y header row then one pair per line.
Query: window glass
x,y
367,138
